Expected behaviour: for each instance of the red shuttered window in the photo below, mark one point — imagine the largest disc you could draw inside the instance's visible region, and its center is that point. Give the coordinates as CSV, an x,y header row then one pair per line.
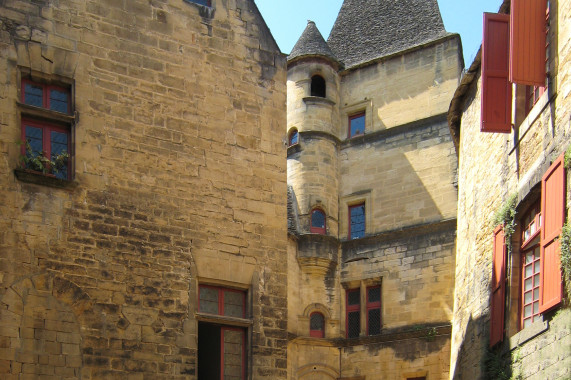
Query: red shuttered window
x,y
498,287
527,40
496,87
553,211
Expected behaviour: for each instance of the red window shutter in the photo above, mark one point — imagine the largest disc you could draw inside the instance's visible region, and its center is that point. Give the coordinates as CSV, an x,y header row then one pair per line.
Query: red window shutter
x,y
496,87
498,287
553,211
527,38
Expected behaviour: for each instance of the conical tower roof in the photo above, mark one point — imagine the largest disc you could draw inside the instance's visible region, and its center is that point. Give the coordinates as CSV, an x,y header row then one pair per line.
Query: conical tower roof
x,y
370,29
311,43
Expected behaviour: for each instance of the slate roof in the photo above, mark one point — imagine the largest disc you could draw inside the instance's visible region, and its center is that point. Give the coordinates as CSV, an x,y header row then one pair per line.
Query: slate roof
x,y
311,43
370,29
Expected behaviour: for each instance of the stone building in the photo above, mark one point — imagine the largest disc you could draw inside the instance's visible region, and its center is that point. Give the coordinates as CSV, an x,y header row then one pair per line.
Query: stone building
x,y
142,226
372,197
510,119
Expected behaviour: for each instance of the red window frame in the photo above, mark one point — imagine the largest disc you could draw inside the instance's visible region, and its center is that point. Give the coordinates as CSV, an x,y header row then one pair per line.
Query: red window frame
x,y
314,229
531,223
352,308
222,330
46,88
374,305
353,117
350,237
47,128
221,291
317,333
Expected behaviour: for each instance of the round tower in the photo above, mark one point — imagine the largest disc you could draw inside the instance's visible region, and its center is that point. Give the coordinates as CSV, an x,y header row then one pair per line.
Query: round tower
x,y
313,130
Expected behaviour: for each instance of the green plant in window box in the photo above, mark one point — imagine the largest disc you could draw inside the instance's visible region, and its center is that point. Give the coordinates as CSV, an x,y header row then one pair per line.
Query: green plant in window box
x,y
506,216
565,241
37,161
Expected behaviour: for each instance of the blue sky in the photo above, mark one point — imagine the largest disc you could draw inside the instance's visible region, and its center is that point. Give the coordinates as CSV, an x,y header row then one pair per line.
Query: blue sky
x,y
288,18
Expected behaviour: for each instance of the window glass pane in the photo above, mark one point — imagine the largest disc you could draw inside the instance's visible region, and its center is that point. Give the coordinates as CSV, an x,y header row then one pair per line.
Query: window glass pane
x,y
353,297
234,304
293,138
316,322
34,138
58,147
209,300
317,219
528,270
33,95
527,322
374,294
536,280
527,297
535,307
59,101
528,283
233,352
529,258
374,321
357,125
357,215
527,311
353,324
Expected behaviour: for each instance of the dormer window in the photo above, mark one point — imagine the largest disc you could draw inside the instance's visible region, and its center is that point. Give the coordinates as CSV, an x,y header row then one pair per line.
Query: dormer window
x,y
318,86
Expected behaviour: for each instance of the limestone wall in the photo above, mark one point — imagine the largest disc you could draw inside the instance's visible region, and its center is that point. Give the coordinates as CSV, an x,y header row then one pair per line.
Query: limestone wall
x,y
179,179
491,167
402,89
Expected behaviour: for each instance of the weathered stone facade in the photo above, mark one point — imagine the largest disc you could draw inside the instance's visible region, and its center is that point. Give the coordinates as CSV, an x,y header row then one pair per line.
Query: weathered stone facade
x,y
179,180
493,166
402,168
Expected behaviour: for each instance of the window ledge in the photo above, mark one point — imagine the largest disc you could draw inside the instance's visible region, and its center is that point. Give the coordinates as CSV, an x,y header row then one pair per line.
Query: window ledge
x,y
528,333
43,113
294,148
220,319
36,178
318,100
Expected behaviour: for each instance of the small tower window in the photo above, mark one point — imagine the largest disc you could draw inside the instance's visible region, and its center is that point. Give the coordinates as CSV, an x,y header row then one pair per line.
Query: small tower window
x,y
317,325
318,86
293,137
317,222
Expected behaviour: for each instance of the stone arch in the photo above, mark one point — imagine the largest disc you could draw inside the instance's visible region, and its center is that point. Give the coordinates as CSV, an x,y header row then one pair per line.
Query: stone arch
x,y
317,371
317,307
41,318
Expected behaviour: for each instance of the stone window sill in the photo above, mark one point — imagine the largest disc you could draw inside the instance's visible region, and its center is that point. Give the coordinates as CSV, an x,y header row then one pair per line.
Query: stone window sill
x,y
35,178
528,333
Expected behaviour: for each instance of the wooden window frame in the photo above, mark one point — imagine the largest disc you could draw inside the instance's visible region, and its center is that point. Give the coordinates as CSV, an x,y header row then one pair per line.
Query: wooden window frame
x,y
317,333
352,117
352,309
317,230
221,291
46,88
222,330
374,305
46,128
362,204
